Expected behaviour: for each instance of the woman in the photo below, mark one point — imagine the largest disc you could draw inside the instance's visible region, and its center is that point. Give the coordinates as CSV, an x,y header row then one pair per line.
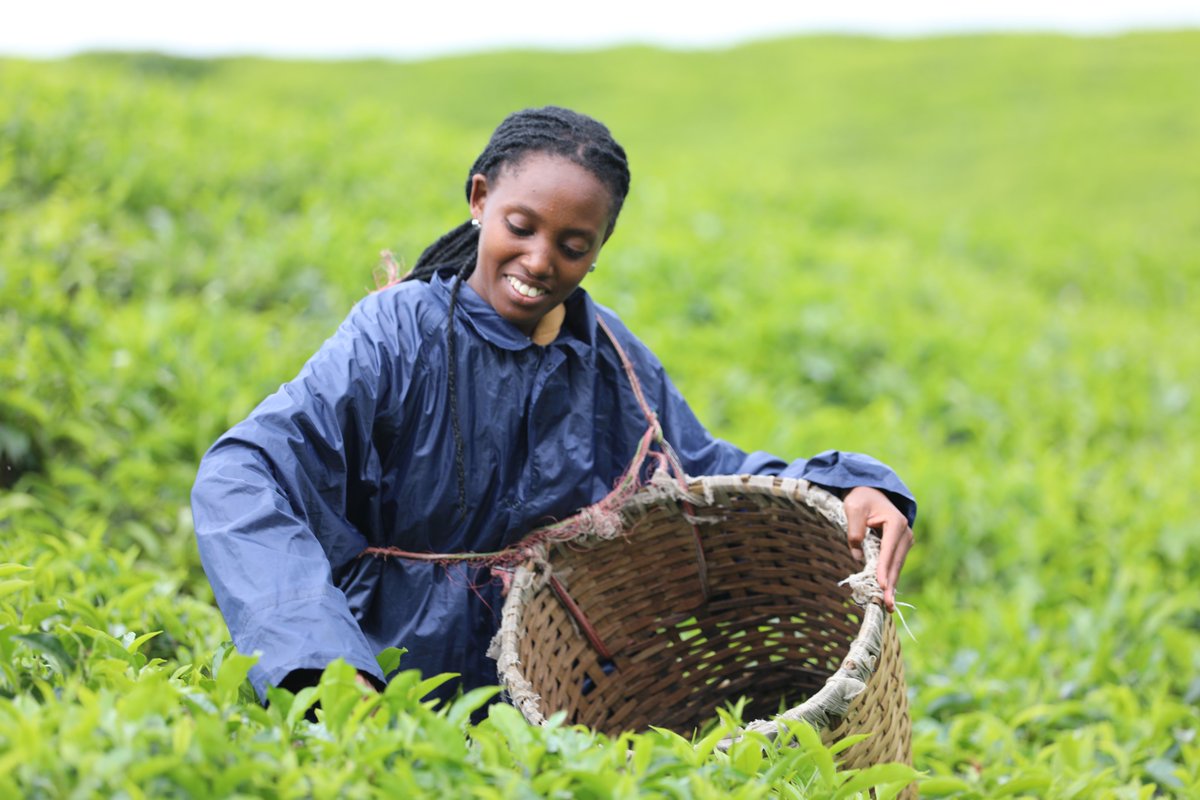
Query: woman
x,y
455,412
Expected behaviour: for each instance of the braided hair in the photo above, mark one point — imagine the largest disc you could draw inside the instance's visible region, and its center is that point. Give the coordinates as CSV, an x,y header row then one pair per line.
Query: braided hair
x,y
551,131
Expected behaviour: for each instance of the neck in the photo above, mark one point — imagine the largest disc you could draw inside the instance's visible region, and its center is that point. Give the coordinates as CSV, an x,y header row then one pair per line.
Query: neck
x,y
547,328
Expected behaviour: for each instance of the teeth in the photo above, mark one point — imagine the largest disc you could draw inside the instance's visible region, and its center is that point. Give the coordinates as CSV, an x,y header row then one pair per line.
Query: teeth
x,y
524,288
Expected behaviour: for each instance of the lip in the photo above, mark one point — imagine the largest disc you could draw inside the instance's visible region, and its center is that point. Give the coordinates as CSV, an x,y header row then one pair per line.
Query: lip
x,y
523,299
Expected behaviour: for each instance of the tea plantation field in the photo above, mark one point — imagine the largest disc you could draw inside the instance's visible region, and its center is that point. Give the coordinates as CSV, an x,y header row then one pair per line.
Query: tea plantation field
x,y
976,258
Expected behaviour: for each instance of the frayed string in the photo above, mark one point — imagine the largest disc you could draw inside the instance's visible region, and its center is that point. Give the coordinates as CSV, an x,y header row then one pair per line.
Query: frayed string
x,y
900,614
388,272
864,588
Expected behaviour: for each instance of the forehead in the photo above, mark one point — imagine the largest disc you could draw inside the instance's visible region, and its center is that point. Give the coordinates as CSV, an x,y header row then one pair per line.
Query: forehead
x,y
542,180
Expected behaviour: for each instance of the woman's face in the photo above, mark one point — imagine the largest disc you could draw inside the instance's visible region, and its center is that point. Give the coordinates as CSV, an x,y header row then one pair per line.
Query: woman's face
x,y
542,223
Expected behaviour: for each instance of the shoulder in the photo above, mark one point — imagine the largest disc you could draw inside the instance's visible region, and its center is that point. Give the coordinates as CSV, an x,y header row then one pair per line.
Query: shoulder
x,y
618,347
406,313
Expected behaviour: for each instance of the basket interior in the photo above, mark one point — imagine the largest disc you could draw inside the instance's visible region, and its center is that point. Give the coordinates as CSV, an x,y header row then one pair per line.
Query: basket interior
x,y
774,627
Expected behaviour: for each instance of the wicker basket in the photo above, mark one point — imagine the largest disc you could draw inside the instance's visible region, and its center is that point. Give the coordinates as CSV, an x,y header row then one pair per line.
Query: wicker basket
x,y
662,636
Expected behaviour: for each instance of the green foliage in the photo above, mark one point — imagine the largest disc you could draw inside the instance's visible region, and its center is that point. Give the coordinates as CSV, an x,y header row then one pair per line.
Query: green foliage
x,y
975,257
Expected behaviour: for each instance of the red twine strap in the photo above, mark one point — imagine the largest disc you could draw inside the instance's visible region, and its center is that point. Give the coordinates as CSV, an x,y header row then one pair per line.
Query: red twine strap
x,y
601,519
676,468
585,625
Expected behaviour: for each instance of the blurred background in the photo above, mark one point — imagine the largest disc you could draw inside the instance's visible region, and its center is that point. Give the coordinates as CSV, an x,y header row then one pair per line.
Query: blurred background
x,y
362,28
965,240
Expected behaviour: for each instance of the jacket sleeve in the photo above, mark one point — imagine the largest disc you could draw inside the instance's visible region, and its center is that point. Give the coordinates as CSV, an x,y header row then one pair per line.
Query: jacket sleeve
x,y
703,454
270,506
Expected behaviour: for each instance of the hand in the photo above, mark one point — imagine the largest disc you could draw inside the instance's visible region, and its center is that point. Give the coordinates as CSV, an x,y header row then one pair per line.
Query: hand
x,y
363,680
871,508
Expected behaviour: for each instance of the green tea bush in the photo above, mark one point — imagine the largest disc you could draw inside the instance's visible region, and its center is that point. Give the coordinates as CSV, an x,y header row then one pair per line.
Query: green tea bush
x,y
974,257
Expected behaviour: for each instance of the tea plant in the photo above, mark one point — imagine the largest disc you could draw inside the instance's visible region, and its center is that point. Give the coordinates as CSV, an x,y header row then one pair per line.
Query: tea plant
x,y
973,257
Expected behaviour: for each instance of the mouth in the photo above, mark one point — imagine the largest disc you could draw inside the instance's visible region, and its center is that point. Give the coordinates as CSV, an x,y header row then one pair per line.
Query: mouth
x,y
524,289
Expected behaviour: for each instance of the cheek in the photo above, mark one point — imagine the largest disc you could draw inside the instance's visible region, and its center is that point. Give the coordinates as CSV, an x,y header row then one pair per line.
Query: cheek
x,y
486,252
496,247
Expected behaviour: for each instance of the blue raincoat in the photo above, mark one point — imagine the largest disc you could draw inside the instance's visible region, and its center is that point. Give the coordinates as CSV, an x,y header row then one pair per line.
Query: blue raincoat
x,y
358,451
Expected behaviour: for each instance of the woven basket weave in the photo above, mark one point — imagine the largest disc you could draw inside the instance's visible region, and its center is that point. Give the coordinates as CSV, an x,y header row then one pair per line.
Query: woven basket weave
x,y
776,627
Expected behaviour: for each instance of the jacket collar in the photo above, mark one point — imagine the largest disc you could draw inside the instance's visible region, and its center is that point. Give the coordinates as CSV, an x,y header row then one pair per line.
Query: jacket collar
x,y
577,333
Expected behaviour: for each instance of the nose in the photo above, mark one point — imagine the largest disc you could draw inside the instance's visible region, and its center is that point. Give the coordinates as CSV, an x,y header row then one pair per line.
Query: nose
x,y
538,260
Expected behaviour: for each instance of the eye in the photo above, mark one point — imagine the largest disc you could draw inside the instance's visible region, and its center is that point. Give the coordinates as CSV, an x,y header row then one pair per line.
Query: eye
x,y
574,253
515,229
575,248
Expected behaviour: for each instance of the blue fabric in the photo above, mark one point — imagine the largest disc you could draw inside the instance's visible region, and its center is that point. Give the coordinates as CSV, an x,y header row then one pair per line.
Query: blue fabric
x,y
358,451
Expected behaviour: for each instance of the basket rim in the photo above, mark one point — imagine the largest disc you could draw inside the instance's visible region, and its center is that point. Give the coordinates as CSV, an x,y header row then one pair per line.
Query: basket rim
x,y
824,708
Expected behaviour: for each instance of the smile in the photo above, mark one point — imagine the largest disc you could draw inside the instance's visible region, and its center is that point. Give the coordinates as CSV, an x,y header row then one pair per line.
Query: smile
x,y
524,288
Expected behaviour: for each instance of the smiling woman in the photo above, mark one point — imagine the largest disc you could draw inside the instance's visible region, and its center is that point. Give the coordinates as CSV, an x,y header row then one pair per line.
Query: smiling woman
x,y
452,413
542,224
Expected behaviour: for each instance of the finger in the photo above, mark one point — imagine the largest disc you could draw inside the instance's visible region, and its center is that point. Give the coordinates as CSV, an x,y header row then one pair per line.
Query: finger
x,y
856,528
892,529
903,546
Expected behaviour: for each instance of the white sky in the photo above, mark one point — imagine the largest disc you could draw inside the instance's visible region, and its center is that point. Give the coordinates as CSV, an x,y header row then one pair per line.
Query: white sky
x,y
416,28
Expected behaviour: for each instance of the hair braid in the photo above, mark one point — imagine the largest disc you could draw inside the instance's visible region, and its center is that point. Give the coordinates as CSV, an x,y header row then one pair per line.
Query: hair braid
x,y
551,130
460,464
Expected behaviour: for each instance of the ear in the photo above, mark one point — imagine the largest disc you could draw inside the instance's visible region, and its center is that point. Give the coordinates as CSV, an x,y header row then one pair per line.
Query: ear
x,y
478,194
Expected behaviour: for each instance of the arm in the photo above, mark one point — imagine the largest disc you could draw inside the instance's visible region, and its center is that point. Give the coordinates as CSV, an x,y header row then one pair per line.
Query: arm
x,y
270,505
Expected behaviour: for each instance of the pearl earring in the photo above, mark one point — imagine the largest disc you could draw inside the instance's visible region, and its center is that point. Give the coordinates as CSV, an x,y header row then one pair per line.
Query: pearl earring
x,y
592,268
474,223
